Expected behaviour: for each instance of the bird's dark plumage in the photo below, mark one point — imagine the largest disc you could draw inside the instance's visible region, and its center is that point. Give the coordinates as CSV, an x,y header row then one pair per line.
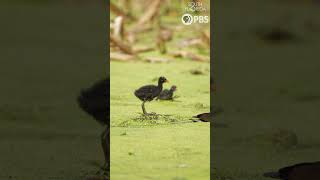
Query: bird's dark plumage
x,y
149,92
204,117
167,94
301,171
95,101
208,117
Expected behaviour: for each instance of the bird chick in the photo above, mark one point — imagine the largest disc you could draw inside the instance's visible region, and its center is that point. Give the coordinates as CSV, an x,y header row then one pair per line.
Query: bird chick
x,y
167,94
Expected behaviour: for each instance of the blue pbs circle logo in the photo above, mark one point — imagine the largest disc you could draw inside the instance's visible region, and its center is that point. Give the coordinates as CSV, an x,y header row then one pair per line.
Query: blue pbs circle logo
x,y
187,19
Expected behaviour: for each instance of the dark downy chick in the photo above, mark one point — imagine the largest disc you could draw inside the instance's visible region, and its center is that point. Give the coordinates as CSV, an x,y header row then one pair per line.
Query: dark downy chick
x,y
167,94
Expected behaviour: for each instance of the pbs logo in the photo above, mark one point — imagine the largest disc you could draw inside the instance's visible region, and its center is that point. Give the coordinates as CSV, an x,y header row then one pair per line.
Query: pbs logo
x,y
188,19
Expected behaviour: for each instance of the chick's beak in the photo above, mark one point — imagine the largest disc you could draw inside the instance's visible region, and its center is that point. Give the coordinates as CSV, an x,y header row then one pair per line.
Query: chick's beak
x,y
167,81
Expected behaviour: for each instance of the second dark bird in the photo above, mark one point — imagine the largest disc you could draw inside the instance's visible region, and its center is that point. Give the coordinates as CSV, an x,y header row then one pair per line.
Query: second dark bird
x,y
167,94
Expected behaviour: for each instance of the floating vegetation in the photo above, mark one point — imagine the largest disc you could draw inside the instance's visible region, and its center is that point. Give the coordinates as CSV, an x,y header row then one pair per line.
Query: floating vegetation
x,y
152,119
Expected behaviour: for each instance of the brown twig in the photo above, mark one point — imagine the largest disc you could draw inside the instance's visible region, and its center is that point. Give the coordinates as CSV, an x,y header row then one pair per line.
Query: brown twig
x,y
205,35
190,55
190,42
122,46
161,44
119,12
142,49
118,27
121,56
152,11
157,60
